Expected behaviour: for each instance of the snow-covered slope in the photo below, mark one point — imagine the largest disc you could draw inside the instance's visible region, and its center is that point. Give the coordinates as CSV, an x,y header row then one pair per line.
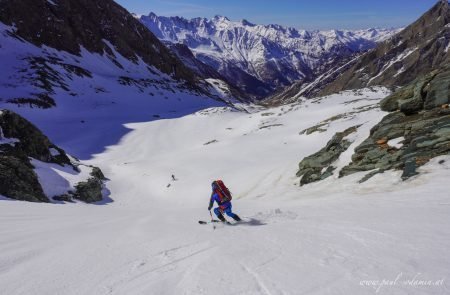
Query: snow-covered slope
x,y
89,95
83,68
326,238
262,57
86,61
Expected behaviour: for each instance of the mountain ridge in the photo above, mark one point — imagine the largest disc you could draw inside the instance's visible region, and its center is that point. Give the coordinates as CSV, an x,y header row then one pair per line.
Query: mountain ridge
x,y
262,58
418,49
72,25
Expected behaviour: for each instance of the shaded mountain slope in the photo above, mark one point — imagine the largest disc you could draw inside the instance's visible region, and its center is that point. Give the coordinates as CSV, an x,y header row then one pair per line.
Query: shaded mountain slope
x,y
69,25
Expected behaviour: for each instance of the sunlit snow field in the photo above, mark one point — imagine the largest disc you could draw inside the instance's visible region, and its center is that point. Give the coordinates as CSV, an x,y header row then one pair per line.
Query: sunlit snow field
x,y
334,237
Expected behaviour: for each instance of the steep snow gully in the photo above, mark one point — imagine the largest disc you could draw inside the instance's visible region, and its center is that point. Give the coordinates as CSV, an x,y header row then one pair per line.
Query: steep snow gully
x,y
383,236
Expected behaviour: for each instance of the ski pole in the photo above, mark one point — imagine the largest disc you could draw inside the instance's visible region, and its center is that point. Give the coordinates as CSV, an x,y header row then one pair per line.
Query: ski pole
x,y
212,220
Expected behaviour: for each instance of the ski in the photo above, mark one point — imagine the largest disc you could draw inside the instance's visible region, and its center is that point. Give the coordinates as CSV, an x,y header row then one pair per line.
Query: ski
x,y
206,222
215,221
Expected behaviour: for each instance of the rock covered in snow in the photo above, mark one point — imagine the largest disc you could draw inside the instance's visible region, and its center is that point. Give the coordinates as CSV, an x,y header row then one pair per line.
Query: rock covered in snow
x,y
319,165
416,130
423,124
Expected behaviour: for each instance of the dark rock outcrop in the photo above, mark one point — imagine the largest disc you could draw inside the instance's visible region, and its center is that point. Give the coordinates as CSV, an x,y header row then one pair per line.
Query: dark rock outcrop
x,y
31,141
18,180
318,166
97,173
17,177
411,98
420,116
20,142
416,130
89,191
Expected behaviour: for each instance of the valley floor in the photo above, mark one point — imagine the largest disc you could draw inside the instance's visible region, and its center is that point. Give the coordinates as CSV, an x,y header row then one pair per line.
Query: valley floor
x,y
384,236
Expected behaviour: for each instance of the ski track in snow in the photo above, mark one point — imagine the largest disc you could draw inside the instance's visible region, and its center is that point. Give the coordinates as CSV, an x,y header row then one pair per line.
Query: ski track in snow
x,y
318,239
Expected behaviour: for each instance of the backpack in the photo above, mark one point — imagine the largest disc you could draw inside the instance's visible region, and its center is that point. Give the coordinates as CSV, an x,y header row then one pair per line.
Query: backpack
x,y
223,192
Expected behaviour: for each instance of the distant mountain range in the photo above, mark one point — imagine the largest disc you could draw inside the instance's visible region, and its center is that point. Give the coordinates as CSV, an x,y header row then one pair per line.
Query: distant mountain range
x,y
258,59
420,48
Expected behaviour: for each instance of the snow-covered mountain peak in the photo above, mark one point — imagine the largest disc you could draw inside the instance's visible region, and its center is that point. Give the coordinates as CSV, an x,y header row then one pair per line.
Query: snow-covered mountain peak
x,y
261,58
219,22
221,18
245,22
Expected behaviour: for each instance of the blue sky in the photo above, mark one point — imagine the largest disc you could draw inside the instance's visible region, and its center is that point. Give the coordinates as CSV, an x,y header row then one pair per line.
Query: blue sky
x,y
304,14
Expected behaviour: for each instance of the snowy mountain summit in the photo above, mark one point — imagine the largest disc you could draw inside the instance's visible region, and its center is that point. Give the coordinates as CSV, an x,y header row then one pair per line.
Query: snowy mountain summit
x,y
261,58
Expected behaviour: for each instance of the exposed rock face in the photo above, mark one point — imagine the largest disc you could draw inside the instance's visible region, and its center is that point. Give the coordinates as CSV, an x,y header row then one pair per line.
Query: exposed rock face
x,y
17,177
420,117
97,173
416,130
318,166
18,180
31,141
21,141
89,191
69,25
411,99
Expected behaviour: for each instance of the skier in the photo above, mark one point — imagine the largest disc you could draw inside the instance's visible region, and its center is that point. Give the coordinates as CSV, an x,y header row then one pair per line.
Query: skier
x,y
222,196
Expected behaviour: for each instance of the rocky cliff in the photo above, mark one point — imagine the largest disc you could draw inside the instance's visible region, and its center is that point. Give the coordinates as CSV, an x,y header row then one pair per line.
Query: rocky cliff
x,y
416,130
419,120
21,145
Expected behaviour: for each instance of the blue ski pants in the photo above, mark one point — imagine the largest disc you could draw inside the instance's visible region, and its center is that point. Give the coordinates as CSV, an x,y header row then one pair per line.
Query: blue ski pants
x,y
227,211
